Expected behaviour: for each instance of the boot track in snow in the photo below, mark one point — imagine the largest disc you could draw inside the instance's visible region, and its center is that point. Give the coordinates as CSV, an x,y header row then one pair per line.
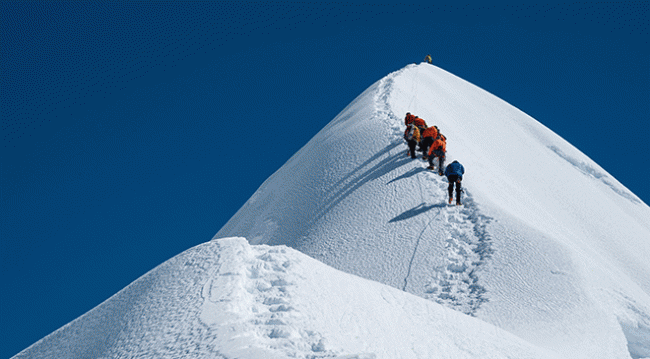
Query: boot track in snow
x,y
456,284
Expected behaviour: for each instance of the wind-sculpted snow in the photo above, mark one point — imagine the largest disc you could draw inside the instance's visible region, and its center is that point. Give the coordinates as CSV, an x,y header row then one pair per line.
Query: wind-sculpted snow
x,y
590,171
227,299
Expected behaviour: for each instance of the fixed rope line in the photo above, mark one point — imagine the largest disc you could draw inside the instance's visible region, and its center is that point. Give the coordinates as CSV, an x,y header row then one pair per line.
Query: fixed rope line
x,y
417,243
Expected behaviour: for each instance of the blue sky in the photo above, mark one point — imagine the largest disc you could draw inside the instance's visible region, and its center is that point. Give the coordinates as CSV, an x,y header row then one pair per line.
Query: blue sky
x,y
133,131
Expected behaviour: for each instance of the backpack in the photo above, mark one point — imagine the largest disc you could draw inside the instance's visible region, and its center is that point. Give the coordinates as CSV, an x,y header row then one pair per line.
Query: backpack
x,y
430,132
412,133
440,144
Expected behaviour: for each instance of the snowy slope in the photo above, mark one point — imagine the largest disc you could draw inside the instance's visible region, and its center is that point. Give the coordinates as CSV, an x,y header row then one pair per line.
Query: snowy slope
x,y
228,299
352,252
548,245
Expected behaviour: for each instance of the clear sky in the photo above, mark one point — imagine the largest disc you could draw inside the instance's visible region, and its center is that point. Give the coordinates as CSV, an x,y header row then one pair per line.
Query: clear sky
x,y
134,131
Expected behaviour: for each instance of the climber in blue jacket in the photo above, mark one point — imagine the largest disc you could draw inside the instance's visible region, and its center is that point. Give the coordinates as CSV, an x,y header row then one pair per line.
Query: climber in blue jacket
x,y
454,173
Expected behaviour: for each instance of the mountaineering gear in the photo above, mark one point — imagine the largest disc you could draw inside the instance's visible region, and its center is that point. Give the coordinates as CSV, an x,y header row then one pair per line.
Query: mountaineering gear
x,y
410,118
439,144
420,123
415,126
455,168
412,133
412,145
441,159
412,137
425,144
428,136
431,132
454,180
450,199
438,149
454,173
428,58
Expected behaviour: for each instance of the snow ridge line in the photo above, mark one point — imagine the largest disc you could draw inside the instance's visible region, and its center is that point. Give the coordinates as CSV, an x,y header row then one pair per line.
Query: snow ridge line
x,y
252,292
204,262
588,170
281,323
383,108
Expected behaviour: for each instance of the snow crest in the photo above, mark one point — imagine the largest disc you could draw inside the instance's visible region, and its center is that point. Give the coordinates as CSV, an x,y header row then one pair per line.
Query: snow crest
x,y
228,299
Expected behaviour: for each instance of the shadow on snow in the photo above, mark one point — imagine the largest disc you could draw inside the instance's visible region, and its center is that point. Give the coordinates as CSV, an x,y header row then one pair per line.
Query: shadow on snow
x,y
358,177
419,209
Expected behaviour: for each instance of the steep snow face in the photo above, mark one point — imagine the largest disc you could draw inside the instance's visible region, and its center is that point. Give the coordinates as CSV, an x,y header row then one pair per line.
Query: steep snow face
x,y
228,299
547,244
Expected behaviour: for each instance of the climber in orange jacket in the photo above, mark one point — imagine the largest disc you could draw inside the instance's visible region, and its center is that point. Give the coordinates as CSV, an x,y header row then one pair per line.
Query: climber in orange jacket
x,y
420,123
408,119
438,149
428,136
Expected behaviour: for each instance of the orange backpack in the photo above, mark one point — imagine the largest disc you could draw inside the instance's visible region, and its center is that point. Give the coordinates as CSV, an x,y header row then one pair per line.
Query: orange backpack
x,y
430,132
439,144
419,122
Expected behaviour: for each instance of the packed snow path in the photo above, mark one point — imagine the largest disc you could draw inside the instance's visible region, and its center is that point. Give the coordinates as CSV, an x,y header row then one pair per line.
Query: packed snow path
x,y
455,282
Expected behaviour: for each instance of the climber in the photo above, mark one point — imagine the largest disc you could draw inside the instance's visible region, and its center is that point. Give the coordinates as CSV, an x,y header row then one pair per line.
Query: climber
x,y
408,119
421,123
428,59
454,173
428,136
412,137
438,149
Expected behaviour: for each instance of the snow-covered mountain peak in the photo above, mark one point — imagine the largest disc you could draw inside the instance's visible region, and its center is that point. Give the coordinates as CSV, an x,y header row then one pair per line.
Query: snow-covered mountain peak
x,y
547,257
545,234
